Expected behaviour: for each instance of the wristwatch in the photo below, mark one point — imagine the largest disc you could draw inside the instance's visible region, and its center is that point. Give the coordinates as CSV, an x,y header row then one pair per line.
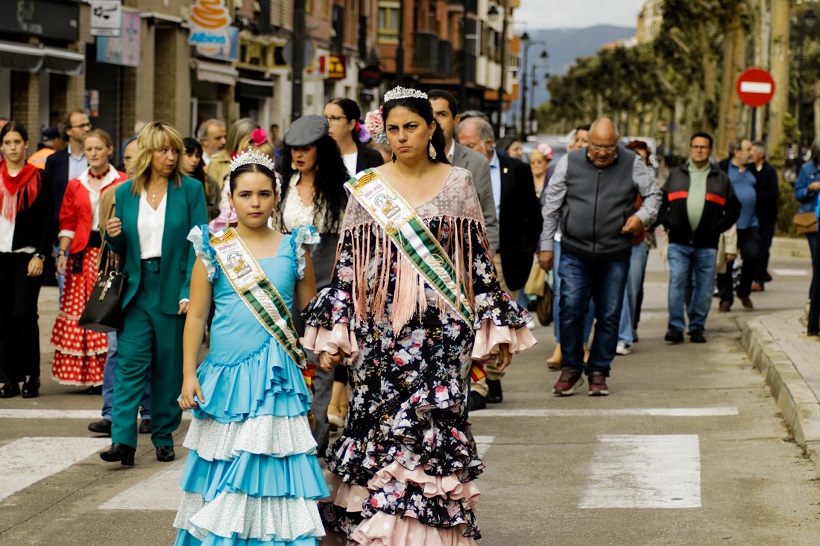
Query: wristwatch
x,y
61,252
38,255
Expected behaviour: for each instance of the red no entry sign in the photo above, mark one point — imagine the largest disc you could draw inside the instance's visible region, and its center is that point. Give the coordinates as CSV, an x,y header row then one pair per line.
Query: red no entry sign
x,y
755,87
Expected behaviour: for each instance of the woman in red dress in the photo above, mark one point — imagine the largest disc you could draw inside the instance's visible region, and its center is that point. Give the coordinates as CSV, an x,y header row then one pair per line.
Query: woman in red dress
x,y
79,354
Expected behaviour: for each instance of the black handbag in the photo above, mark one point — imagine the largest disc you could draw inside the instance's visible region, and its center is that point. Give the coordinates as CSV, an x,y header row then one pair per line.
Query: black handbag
x,y
103,310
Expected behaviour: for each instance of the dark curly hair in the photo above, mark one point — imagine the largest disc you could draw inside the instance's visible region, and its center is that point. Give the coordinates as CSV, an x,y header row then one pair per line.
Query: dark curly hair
x,y
423,108
331,175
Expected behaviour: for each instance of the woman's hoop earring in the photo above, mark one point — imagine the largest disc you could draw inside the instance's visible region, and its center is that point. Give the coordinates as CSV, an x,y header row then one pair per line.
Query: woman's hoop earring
x,y
432,151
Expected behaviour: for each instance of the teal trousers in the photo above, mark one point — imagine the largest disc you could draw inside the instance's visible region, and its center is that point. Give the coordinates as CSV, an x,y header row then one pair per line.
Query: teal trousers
x,y
150,340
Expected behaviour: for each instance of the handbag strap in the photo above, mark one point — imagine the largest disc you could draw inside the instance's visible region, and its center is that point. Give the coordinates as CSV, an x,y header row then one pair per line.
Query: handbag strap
x,y
108,260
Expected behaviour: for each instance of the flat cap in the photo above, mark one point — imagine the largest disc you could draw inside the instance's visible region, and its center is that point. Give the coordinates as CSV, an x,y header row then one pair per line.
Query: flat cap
x,y
306,130
51,133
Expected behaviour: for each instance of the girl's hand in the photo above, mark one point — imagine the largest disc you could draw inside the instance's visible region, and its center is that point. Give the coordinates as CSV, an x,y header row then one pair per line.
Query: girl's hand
x,y
328,361
190,388
504,356
61,261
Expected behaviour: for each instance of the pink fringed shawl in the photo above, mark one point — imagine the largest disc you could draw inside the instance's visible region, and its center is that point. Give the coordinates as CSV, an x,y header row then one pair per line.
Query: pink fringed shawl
x,y
459,212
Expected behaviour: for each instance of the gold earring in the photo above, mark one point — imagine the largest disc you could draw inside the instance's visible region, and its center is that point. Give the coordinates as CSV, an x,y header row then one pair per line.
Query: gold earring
x,y
393,155
432,151
293,164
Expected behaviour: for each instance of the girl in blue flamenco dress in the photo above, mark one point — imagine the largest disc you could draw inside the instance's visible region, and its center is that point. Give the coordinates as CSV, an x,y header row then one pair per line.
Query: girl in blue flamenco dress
x,y
252,477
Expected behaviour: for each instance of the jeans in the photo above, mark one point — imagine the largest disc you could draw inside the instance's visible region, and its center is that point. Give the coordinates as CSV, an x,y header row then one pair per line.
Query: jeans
x,y
108,382
556,296
766,235
691,284
637,266
812,240
748,245
603,283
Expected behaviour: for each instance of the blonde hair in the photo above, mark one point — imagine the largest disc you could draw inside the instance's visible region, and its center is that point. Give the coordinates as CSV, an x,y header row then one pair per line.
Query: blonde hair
x,y
100,134
153,137
536,154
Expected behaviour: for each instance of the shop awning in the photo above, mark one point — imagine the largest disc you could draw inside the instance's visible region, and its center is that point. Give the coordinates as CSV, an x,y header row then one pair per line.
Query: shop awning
x,y
27,58
215,72
254,89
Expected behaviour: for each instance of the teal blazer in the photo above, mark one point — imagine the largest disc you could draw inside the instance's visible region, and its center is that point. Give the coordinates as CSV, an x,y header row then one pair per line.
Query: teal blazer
x,y
185,208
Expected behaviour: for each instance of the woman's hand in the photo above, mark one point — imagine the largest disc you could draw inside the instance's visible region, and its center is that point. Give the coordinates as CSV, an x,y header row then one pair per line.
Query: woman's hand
x,y
113,226
35,266
190,388
504,356
814,187
328,361
183,307
61,261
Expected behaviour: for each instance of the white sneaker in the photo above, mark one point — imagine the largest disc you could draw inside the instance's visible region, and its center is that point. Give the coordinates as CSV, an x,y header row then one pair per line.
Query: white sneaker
x,y
531,325
623,349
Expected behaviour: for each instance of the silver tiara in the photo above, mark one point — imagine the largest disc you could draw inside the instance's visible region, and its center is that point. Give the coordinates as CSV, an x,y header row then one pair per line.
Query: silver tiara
x,y
249,157
404,93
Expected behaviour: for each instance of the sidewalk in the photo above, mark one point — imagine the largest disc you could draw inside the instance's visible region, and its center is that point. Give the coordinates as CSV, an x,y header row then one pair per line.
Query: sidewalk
x,y
790,361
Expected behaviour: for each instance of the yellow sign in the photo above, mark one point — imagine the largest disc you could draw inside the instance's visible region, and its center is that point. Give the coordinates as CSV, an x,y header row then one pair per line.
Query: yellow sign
x,y
336,67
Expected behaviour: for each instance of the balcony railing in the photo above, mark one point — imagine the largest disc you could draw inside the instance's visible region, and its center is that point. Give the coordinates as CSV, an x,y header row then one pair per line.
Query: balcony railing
x,y
445,57
426,52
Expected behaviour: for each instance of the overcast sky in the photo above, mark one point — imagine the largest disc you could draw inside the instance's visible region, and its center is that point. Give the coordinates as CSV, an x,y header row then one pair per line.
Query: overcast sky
x,y
577,13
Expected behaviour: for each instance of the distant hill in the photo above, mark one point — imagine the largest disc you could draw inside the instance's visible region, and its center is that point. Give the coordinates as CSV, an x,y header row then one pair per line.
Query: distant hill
x,y
564,45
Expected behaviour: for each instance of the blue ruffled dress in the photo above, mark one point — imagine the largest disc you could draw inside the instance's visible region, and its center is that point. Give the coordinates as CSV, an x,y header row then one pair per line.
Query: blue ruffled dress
x,y
252,477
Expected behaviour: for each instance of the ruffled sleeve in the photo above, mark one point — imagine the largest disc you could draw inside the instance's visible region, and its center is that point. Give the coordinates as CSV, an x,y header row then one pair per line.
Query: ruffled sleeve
x,y
200,238
328,318
498,319
303,235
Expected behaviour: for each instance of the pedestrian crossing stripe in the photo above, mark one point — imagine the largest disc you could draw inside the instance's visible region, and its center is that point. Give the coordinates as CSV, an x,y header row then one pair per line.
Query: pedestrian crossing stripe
x,y
59,414
642,412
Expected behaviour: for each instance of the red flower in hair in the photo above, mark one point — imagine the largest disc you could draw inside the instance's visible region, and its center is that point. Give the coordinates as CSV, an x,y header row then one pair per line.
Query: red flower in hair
x,y
259,137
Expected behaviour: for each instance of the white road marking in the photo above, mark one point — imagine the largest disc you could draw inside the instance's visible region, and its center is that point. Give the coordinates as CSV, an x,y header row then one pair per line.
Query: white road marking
x,y
159,492
661,471
29,460
649,412
791,272
57,414
483,444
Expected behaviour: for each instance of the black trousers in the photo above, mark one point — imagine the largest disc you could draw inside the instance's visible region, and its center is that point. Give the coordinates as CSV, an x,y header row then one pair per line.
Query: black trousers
x,y
748,244
766,230
19,331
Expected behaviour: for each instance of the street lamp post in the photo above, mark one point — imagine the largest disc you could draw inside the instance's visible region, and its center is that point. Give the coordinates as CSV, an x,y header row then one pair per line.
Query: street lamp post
x,y
526,43
808,22
493,12
532,92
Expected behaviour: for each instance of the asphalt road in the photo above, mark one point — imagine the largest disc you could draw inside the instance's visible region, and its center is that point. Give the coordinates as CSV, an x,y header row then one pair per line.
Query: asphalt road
x,y
688,449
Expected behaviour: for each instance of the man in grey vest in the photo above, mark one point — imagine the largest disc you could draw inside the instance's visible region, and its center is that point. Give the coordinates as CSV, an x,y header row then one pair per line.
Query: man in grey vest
x,y
592,193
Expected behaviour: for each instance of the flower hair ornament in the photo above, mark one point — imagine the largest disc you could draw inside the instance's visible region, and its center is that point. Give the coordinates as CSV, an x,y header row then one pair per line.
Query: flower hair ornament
x,y
251,157
374,121
259,137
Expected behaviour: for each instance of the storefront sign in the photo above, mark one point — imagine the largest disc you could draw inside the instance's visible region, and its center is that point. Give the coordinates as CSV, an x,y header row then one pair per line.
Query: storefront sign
x,y
370,76
210,28
56,20
218,53
124,50
106,17
336,67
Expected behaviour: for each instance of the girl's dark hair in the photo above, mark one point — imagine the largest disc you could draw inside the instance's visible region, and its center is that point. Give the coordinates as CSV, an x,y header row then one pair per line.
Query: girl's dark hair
x,y
14,126
252,168
191,145
423,108
505,142
329,181
352,112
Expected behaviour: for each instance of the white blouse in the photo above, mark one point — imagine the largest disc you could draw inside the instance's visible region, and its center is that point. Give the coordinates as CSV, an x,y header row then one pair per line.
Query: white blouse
x,y
150,226
296,213
350,162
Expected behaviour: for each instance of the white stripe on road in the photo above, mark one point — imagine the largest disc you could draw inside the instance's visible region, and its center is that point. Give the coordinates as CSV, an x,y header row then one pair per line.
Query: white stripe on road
x,y
57,414
660,471
159,492
29,460
648,412
483,444
791,272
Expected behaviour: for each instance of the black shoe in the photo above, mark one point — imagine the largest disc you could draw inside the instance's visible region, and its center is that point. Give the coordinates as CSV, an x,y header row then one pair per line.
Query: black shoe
x,y
103,426
10,390
477,402
673,335
494,396
31,387
94,390
145,426
165,454
119,452
697,336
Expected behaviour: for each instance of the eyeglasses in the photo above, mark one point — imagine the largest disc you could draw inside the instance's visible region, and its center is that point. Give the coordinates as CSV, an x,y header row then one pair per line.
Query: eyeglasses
x,y
86,125
609,148
331,119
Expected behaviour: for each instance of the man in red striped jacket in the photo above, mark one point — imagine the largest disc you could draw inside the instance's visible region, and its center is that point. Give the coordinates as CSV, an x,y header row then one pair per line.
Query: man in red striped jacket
x,y
698,205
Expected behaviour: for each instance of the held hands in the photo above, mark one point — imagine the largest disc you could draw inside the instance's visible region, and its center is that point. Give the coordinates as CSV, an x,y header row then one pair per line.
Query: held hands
x,y
190,388
633,224
113,226
504,356
328,361
61,261
35,267
545,259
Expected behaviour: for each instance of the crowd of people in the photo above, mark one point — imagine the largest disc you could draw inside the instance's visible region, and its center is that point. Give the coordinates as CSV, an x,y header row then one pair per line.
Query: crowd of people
x,y
363,275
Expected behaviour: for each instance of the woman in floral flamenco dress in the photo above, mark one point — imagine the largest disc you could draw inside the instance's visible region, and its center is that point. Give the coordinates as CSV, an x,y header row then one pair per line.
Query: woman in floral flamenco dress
x,y
252,477
413,305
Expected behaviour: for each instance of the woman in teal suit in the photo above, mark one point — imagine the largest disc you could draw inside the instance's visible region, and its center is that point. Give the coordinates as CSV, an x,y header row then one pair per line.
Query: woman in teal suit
x,y
154,213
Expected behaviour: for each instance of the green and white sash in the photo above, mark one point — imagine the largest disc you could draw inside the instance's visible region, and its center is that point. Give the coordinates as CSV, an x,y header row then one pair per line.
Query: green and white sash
x,y
415,242
254,288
